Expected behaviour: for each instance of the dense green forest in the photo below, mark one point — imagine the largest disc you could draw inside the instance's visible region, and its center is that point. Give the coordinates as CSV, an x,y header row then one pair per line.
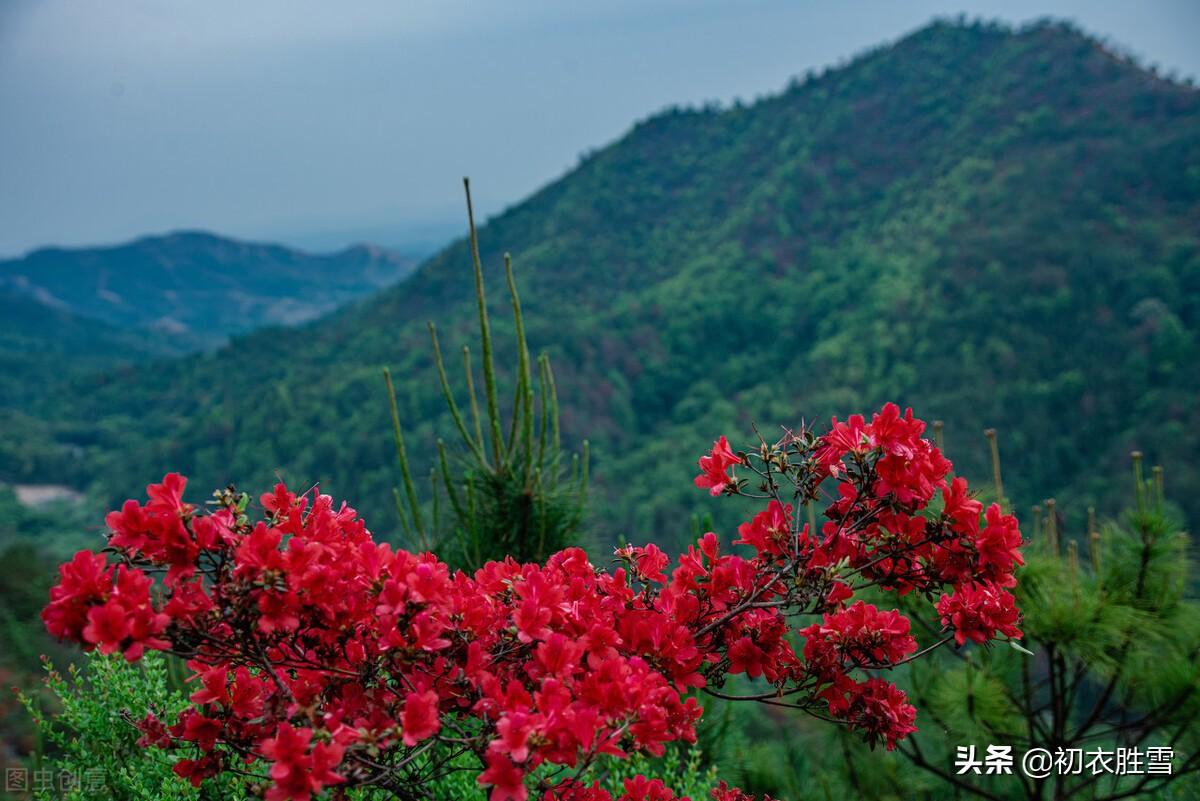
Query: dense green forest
x,y
41,346
998,227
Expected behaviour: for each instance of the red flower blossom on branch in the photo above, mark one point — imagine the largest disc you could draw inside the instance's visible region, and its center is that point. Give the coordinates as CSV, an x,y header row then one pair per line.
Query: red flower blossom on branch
x,y
978,612
328,658
714,468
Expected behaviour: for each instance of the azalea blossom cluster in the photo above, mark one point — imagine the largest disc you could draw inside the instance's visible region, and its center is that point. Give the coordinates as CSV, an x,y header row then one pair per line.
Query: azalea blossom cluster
x,y
896,521
333,660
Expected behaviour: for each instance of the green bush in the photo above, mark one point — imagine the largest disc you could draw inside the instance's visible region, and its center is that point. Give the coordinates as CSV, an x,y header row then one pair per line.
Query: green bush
x,y
87,717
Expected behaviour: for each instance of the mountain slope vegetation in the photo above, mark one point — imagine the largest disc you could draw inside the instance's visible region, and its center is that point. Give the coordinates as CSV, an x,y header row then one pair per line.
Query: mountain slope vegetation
x,y
41,346
998,227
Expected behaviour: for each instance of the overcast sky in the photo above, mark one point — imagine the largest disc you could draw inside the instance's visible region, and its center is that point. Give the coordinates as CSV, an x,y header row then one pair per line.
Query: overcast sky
x,y
324,123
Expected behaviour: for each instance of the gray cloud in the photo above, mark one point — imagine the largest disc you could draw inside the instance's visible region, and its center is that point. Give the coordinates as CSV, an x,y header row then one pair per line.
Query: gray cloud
x,y
318,123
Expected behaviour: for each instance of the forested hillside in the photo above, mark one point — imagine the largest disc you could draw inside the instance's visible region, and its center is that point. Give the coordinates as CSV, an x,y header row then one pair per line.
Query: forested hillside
x,y
40,346
1000,228
197,287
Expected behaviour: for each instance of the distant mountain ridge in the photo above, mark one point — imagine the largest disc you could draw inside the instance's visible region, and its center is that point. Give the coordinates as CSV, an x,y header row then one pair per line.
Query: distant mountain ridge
x,y
998,227
200,287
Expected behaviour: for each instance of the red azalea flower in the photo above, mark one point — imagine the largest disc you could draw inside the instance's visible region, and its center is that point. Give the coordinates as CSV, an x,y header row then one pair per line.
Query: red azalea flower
x,y
769,531
999,545
506,779
168,496
420,717
82,581
724,792
107,627
301,628
977,612
197,728
746,657
851,436
714,468
197,770
881,710
960,507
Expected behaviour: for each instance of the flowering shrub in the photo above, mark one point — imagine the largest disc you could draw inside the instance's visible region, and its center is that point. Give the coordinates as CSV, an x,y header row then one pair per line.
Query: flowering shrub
x,y
338,661
80,714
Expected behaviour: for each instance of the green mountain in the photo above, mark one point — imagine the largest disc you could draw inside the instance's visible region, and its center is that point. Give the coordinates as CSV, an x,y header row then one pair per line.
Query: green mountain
x,y
199,288
42,350
41,346
998,227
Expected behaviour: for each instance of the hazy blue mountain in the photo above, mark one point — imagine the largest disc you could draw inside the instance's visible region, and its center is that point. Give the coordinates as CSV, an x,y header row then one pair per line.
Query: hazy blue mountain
x,y
199,287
